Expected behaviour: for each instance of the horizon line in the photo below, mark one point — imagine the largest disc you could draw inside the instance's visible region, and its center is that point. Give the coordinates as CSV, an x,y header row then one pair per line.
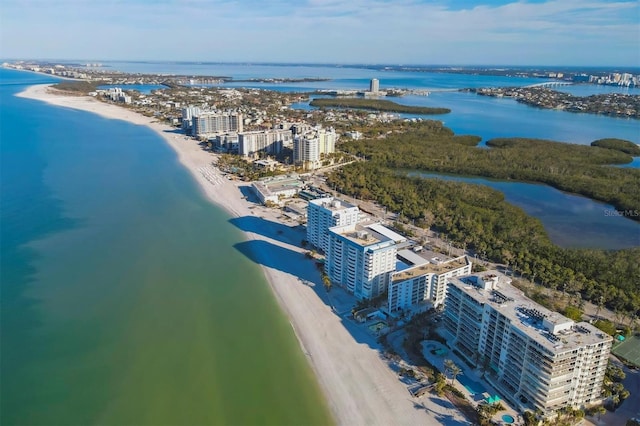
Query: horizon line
x,y
344,64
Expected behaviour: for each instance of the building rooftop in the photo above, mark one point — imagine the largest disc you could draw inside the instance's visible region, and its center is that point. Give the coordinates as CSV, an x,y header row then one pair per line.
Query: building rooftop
x,y
417,255
361,234
333,204
381,229
553,331
277,185
430,268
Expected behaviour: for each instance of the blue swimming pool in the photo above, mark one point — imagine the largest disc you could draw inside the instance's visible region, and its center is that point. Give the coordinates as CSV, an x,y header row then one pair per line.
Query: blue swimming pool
x,y
508,419
472,386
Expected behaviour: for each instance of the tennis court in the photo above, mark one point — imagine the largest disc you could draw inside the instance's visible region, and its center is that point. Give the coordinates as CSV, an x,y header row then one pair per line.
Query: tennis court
x,y
629,350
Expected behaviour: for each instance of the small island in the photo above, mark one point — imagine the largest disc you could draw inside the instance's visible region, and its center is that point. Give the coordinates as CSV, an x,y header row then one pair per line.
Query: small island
x,y
376,105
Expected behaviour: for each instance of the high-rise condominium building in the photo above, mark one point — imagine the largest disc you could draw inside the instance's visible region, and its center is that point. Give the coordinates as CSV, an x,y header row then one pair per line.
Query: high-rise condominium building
x,y
306,152
535,358
425,280
309,148
267,141
210,123
360,259
325,213
187,117
374,85
326,140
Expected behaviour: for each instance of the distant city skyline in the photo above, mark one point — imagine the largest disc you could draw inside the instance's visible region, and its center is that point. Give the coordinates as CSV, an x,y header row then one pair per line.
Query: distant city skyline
x,y
454,32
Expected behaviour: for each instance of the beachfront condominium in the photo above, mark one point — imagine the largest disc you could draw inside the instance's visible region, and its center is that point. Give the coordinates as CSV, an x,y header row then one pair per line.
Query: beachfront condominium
x,y
536,359
423,278
325,213
216,122
116,94
187,117
360,259
270,142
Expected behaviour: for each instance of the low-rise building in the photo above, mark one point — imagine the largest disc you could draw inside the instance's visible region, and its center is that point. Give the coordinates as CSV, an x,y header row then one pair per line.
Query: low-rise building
x,y
276,189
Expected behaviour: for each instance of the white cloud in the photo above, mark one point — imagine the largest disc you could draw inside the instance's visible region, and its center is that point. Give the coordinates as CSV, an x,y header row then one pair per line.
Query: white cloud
x,y
326,31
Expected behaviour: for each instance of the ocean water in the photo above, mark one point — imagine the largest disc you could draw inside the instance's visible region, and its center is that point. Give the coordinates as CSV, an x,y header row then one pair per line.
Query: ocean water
x,y
123,298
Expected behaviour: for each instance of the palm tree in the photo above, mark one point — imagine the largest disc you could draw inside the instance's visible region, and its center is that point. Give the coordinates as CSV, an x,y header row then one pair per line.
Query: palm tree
x,y
451,367
327,282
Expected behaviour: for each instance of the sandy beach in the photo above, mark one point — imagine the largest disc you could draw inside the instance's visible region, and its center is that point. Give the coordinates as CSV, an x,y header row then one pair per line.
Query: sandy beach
x,y
358,385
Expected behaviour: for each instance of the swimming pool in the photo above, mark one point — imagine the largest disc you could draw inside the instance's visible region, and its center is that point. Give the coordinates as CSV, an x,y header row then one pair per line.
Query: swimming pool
x,y
472,386
508,419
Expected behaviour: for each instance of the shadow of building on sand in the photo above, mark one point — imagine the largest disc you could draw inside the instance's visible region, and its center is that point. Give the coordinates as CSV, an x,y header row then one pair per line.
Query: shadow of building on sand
x,y
291,262
276,231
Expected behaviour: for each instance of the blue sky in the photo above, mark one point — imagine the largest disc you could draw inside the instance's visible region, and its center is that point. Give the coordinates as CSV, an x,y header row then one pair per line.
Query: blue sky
x,y
456,32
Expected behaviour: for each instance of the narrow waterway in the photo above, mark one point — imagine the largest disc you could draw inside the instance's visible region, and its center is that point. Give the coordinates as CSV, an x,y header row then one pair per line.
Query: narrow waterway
x,y
570,220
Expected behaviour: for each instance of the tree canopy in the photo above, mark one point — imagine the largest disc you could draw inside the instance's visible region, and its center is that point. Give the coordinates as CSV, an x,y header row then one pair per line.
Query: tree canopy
x,y
375,105
479,216
627,147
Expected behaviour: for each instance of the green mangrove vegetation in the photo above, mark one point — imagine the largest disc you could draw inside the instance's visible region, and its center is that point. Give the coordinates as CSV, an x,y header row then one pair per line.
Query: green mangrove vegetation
x,y
480,218
619,145
375,105
579,169
79,86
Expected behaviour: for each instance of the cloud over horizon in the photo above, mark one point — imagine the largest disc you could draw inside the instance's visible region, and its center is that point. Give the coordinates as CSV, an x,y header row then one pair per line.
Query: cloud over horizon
x,y
556,32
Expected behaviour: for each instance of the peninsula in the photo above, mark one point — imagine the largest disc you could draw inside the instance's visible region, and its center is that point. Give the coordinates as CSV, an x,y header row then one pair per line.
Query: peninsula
x,y
376,105
613,104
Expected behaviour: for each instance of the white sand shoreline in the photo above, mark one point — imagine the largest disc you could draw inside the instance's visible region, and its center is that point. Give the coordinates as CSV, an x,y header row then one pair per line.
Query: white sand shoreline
x,y
359,387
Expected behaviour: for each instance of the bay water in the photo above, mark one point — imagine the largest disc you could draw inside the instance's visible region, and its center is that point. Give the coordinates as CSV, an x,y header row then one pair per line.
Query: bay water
x,y
564,216
571,221
123,298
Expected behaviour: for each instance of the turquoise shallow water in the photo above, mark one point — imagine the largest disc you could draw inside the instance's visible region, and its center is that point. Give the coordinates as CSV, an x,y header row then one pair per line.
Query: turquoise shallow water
x,y
123,299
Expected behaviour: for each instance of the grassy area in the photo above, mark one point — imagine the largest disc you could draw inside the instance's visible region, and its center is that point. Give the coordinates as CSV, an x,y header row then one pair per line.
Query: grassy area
x,y
376,105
